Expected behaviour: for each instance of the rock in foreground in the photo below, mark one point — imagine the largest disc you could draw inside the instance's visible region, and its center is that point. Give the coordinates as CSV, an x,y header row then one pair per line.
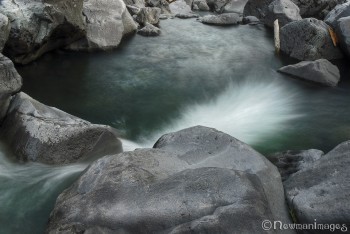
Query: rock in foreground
x,y
322,191
308,39
39,133
320,71
197,180
149,31
222,19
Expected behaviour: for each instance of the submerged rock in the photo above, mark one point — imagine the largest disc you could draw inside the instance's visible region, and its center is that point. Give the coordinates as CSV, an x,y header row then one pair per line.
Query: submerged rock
x,y
107,21
10,83
41,26
222,19
289,162
283,10
308,39
148,15
195,180
39,133
5,28
149,31
321,192
320,71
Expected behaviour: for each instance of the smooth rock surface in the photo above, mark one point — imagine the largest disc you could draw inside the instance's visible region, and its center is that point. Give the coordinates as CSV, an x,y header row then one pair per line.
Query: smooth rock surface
x,y
10,83
5,28
222,19
322,191
180,7
197,180
148,15
291,161
41,26
320,71
39,133
308,39
107,21
149,31
283,10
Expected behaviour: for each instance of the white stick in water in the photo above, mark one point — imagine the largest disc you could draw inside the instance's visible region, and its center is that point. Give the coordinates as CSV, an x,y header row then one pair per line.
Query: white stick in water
x,y
277,35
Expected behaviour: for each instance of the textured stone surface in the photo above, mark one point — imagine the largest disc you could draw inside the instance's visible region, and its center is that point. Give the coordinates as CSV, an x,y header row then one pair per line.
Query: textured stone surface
x,y
308,39
283,10
107,21
250,20
320,71
5,28
41,26
316,8
197,180
322,191
201,5
149,30
148,15
163,5
36,132
222,19
180,7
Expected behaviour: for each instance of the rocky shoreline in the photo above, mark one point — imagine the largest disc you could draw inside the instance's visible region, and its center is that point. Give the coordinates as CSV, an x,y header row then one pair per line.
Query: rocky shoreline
x,y
196,180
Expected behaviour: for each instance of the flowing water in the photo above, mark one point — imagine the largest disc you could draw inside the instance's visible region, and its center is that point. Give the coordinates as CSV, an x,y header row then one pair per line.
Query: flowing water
x,y
194,74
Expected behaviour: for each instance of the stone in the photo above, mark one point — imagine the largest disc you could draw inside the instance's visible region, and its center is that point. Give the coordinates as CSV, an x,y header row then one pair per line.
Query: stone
x,y
136,3
41,26
38,133
162,4
283,10
217,5
235,6
10,83
222,19
197,180
5,28
149,31
107,22
180,7
186,16
201,5
291,161
308,39
148,15
316,8
320,71
250,20
321,192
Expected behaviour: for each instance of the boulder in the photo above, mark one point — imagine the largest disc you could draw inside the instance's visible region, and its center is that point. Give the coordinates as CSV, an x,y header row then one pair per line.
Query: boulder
x,y
308,39
321,192
316,8
180,7
133,10
250,20
200,5
136,3
148,15
107,21
162,4
339,20
197,180
217,5
149,30
10,83
235,6
222,19
186,16
257,8
283,10
5,28
291,161
41,26
320,71
39,133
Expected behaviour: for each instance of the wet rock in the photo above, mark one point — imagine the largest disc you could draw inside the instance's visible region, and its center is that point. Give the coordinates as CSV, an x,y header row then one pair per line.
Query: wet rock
x,y
291,161
10,83
250,20
222,19
316,8
321,192
106,22
308,39
39,133
320,71
149,30
180,7
186,16
200,5
148,15
5,28
41,26
283,10
195,180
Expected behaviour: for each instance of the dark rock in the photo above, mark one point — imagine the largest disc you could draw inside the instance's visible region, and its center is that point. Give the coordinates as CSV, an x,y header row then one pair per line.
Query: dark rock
x,y
290,162
186,16
10,83
321,192
107,21
320,71
148,15
257,8
180,7
308,39
235,6
200,5
197,180
217,5
5,28
316,8
41,26
222,19
36,132
283,10
250,20
149,31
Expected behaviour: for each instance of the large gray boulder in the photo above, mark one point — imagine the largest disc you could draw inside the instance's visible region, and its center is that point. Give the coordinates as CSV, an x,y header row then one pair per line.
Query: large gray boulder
x,y
291,161
321,192
148,15
5,28
106,22
316,8
180,7
197,180
308,39
339,20
39,133
10,83
41,26
222,19
320,71
283,10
